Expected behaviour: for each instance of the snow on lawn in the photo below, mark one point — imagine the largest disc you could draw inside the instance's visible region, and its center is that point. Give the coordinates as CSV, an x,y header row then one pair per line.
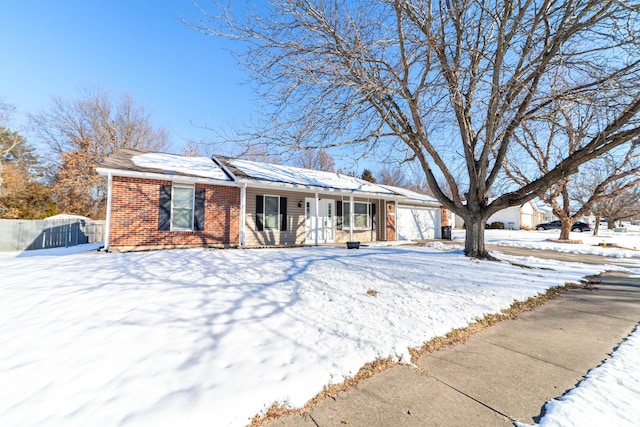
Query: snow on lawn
x,y
608,396
212,337
629,243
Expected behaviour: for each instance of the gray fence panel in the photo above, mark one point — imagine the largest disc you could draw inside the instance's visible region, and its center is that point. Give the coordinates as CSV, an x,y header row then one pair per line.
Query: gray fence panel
x,y
20,235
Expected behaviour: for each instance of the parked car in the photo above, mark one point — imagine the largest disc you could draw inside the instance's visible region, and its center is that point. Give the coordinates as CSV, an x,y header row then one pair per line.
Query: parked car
x,y
557,224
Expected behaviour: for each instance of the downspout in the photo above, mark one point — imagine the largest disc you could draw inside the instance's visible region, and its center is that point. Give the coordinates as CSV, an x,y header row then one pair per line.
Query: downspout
x,y
107,227
243,212
316,213
351,224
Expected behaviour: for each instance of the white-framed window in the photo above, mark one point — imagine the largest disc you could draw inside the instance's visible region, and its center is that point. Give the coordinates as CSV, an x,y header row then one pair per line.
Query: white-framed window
x,y
182,206
361,217
271,212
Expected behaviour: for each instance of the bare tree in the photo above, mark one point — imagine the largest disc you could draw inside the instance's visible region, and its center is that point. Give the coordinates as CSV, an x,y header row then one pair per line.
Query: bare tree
x,y
260,153
449,83
612,191
560,130
81,133
315,159
619,208
392,176
192,149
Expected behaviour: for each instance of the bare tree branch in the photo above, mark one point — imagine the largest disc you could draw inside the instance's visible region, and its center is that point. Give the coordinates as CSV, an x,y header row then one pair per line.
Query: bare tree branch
x,y
453,82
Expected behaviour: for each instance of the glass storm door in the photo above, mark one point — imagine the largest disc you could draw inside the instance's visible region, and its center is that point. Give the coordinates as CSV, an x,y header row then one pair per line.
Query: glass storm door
x,y
322,224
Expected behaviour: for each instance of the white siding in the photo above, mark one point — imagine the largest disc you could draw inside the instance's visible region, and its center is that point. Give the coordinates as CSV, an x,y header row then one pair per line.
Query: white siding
x,y
510,217
294,235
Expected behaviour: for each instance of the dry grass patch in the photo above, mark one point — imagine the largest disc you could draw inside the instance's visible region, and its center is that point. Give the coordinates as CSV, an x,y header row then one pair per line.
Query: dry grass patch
x,y
331,391
460,335
368,370
273,412
456,336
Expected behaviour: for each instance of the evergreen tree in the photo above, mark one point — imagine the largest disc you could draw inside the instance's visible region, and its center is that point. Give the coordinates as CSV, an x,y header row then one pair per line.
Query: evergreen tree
x,y
368,176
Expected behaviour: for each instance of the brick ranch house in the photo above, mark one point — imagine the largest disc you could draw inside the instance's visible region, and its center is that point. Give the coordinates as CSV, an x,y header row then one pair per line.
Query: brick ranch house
x,y
158,200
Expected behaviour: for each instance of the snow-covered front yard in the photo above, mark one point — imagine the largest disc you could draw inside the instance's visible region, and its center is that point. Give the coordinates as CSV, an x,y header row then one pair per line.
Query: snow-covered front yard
x,y
212,337
607,243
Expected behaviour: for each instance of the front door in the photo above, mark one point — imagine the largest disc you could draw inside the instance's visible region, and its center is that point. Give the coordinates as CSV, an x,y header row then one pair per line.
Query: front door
x,y
322,224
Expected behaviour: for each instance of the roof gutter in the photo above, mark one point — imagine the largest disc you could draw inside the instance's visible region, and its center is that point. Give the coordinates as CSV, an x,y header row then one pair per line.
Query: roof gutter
x,y
185,179
252,183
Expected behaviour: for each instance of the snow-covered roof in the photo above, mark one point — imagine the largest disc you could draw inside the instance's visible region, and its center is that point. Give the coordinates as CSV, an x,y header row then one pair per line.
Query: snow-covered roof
x,y
67,216
409,194
196,166
306,177
544,208
131,162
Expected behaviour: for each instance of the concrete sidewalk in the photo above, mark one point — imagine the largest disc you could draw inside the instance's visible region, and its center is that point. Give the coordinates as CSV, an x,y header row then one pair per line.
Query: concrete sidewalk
x,y
503,374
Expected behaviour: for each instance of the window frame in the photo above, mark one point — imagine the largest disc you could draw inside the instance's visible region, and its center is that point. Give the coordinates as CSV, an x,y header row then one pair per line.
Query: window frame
x,y
264,212
346,215
192,209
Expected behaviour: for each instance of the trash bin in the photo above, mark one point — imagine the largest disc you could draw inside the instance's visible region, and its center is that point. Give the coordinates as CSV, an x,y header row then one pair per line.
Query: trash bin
x,y
446,232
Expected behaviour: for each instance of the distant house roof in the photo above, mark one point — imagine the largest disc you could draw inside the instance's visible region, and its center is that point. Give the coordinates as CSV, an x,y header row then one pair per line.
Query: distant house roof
x,y
544,208
231,171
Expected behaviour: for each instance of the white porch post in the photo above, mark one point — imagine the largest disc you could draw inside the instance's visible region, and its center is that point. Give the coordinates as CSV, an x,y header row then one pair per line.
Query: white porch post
x,y
316,215
370,218
107,227
243,211
351,224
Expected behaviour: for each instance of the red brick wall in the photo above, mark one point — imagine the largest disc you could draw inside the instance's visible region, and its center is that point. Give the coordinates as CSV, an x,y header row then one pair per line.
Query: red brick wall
x,y
391,221
444,216
135,205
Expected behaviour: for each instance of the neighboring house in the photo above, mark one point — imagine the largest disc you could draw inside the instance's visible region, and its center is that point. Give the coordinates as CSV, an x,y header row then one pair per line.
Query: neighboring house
x,y
546,213
525,217
165,200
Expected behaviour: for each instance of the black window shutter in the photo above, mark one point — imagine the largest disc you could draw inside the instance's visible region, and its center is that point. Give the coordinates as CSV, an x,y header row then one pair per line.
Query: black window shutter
x,y
373,216
198,215
283,214
259,212
164,214
339,215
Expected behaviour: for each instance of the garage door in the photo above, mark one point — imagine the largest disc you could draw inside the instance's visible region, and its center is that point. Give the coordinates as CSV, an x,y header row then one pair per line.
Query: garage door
x,y
417,223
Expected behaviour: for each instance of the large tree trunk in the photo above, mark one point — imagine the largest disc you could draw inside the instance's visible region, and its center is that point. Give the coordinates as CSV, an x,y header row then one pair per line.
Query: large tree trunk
x,y
474,239
565,228
596,227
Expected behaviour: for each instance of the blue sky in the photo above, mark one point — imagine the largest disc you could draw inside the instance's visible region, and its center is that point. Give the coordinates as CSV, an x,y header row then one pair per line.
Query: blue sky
x,y
52,48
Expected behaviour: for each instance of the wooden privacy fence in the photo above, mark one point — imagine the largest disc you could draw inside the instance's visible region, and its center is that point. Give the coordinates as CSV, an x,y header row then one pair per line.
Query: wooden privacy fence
x,y
24,235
